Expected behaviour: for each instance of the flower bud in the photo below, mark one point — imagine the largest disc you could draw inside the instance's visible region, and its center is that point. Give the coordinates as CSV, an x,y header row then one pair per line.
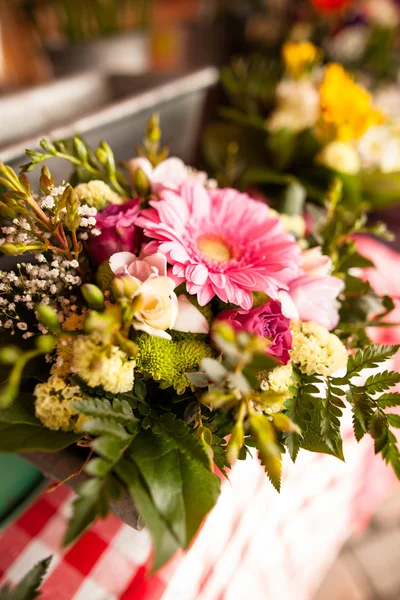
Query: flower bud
x,y
9,355
93,296
48,317
125,287
141,183
46,343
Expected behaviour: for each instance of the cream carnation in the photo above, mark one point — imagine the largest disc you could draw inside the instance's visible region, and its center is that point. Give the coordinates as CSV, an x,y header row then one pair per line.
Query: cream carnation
x,y
316,350
278,380
100,364
53,404
97,193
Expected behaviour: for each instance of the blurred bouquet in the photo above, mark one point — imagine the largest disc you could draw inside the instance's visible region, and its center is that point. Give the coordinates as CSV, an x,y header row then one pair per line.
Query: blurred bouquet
x,y
170,327
363,35
307,124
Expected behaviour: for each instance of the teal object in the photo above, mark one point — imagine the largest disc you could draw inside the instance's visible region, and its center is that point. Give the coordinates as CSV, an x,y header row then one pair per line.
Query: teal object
x,y
20,482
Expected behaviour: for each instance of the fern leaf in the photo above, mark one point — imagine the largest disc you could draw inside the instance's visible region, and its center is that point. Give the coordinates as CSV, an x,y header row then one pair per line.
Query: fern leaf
x,y
389,400
381,382
268,450
369,358
28,588
330,420
391,454
119,410
98,426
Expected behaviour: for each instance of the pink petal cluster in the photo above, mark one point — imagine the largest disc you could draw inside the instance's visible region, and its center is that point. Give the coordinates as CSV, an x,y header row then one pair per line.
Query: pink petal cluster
x,y
266,321
119,231
314,293
221,243
161,309
170,173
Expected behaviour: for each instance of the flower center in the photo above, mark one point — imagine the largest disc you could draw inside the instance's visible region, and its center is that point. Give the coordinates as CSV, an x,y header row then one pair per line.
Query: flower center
x,y
214,247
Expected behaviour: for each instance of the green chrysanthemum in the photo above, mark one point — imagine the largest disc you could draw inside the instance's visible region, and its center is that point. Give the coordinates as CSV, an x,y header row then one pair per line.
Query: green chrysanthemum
x,y
167,361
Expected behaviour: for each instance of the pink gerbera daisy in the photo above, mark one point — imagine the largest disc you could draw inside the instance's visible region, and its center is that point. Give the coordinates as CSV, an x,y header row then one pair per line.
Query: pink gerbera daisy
x,y
222,243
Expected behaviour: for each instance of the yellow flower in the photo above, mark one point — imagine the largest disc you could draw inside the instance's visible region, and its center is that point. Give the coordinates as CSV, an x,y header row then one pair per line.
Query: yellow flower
x,y
300,57
347,110
101,364
53,404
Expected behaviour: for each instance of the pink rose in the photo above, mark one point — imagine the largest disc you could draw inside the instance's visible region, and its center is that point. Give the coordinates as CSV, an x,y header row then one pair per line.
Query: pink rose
x,y
118,231
312,296
160,308
266,321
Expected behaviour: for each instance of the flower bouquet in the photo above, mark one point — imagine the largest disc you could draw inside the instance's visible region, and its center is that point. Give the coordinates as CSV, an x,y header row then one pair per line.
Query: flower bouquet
x,y
166,327
360,34
300,126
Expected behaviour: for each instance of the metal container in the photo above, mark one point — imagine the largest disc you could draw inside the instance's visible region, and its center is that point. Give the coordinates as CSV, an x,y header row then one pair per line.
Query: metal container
x,y
178,99
123,53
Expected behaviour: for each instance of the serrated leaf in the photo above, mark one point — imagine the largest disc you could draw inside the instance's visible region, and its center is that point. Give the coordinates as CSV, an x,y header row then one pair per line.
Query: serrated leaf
x,y
165,470
268,451
393,420
389,400
102,408
381,381
28,588
185,441
283,423
369,358
390,454
105,426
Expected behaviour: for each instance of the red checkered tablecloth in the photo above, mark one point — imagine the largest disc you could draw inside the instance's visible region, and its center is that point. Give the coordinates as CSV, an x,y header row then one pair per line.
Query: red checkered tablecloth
x,y
255,544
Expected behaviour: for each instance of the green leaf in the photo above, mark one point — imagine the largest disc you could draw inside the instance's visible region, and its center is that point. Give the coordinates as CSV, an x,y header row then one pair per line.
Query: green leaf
x,y
21,431
381,381
165,470
86,509
108,446
99,426
393,420
28,588
389,400
165,543
369,358
330,420
268,450
390,453
185,441
102,408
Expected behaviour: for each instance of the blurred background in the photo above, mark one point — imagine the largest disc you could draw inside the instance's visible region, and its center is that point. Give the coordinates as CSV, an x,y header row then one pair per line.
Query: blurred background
x,y
101,67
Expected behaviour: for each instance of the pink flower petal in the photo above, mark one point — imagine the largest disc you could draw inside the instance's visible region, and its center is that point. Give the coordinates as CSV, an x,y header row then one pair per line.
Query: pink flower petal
x,y
120,260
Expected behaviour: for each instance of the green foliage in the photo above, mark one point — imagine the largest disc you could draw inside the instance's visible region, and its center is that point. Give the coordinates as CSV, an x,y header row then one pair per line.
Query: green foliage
x,y
99,164
316,413
370,358
155,456
21,431
28,588
268,450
